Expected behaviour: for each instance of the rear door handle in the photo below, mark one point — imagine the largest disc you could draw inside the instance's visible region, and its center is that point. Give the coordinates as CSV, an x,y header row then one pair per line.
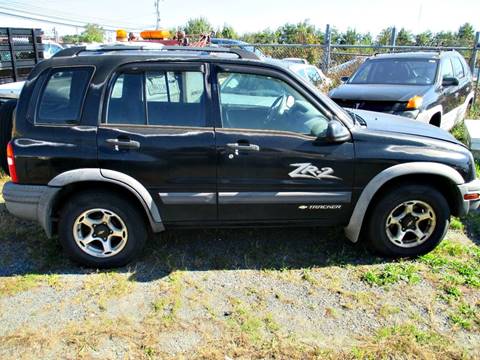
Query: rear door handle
x,y
123,144
244,147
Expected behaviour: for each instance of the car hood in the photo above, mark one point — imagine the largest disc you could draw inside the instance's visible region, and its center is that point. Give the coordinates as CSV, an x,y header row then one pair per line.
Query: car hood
x,y
380,92
11,90
398,124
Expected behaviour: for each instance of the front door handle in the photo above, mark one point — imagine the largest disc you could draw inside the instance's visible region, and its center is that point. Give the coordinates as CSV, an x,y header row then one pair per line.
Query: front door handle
x,y
244,147
123,144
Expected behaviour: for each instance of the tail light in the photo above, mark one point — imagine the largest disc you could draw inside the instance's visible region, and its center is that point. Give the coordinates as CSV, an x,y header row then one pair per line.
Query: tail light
x,y
11,163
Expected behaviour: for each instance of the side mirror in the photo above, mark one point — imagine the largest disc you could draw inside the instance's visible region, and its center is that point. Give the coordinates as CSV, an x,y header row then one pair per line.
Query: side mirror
x,y
344,79
336,132
450,81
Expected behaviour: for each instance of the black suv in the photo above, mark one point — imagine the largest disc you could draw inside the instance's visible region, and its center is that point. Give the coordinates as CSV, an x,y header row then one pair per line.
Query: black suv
x,y
432,87
113,144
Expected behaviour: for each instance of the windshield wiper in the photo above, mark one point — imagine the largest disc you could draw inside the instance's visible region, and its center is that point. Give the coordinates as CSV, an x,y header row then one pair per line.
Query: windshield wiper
x,y
357,118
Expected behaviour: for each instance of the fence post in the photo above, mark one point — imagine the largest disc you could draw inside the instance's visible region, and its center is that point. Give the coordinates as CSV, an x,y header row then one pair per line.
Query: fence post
x,y
13,55
473,59
393,38
326,49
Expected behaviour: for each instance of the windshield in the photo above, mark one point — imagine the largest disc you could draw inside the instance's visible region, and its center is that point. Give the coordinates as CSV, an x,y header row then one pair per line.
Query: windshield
x,y
397,72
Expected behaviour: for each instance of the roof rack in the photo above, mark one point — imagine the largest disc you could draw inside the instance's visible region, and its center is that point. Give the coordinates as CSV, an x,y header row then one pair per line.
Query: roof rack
x,y
242,54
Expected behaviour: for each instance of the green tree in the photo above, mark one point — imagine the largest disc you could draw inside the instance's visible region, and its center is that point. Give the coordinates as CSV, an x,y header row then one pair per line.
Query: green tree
x,y
198,26
71,39
266,36
350,37
466,34
301,33
445,38
384,37
227,32
424,39
366,39
404,37
92,33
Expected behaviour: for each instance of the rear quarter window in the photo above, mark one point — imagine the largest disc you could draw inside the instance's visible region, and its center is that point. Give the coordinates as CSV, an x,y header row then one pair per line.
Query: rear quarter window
x,y
62,97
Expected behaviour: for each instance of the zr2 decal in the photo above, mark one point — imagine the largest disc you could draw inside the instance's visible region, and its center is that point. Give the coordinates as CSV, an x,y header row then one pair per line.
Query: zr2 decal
x,y
309,171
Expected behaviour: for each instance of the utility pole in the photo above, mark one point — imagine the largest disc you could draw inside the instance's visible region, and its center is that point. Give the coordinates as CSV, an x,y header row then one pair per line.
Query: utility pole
x,y
157,13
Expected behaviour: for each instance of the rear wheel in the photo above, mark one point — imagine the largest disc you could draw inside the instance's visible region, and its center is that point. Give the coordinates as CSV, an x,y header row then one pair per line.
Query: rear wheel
x,y
409,221
101,230
6,121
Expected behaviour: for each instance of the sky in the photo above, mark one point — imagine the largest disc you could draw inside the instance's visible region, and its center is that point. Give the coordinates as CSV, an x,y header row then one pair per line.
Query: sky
x,y
250,15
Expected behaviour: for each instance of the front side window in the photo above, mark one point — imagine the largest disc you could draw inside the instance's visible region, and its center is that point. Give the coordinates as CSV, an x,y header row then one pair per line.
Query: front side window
x,y
396,72
457,68
62,97
447,69
261,102
170,98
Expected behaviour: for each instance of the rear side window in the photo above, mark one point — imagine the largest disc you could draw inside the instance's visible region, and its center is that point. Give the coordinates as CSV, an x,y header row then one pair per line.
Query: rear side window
x,y
62,97
169,98
458,68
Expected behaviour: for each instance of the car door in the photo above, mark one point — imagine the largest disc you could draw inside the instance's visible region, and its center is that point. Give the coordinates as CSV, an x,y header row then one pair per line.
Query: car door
x,y
273,162
464,82
447,93
156,129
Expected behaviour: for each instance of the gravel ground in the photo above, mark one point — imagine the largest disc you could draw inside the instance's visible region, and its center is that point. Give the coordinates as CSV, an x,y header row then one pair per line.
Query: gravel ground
x,y
269,293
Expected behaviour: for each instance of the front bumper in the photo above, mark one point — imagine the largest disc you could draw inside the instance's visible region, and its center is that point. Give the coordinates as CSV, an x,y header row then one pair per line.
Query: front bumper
x,y
31,202
469,188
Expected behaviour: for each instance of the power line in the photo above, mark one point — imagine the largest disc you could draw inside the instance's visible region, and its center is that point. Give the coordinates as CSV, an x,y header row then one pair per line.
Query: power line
x,y
56,20
53,13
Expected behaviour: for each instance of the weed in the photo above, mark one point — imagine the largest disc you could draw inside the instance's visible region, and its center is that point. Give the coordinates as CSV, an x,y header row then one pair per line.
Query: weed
x,y
466,316
391,274
474,112
167,307
456,224
386,310
458,264
452,291
459,132
15,284
308,277
106,286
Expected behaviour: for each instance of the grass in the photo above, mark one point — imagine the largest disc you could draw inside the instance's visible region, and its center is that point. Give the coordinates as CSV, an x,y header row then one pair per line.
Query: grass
x,y
167,306
455,263
391,274
13,285
106,286
466,316
459,131
475,111
456,224
284,291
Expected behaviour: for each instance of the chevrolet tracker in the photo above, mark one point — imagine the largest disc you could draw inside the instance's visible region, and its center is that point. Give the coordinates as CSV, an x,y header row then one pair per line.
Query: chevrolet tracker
x,y
113,144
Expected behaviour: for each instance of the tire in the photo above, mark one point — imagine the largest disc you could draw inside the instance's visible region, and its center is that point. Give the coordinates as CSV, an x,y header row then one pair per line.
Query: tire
x,y
427,202
6,123
126,219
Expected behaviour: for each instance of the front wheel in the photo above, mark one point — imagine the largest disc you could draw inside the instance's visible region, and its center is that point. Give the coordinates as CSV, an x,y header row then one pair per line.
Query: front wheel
x,y
408,221
101,230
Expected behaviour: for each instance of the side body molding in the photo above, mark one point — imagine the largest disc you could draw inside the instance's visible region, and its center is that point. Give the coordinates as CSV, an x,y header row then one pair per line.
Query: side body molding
x,y
352,231
115,177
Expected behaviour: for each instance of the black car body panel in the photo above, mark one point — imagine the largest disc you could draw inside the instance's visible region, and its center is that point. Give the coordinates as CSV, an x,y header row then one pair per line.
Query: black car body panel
x,y
210,174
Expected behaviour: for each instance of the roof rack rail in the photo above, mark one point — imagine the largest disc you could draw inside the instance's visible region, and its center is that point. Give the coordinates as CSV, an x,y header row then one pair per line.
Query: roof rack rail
x,y
71,51
242,54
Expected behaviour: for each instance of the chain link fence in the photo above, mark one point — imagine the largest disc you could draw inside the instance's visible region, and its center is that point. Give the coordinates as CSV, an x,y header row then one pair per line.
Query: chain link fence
x,y
337,61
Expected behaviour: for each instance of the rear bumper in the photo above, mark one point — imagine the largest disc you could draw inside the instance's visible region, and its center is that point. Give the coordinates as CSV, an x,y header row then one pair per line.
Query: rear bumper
x,y
31,202
472,187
